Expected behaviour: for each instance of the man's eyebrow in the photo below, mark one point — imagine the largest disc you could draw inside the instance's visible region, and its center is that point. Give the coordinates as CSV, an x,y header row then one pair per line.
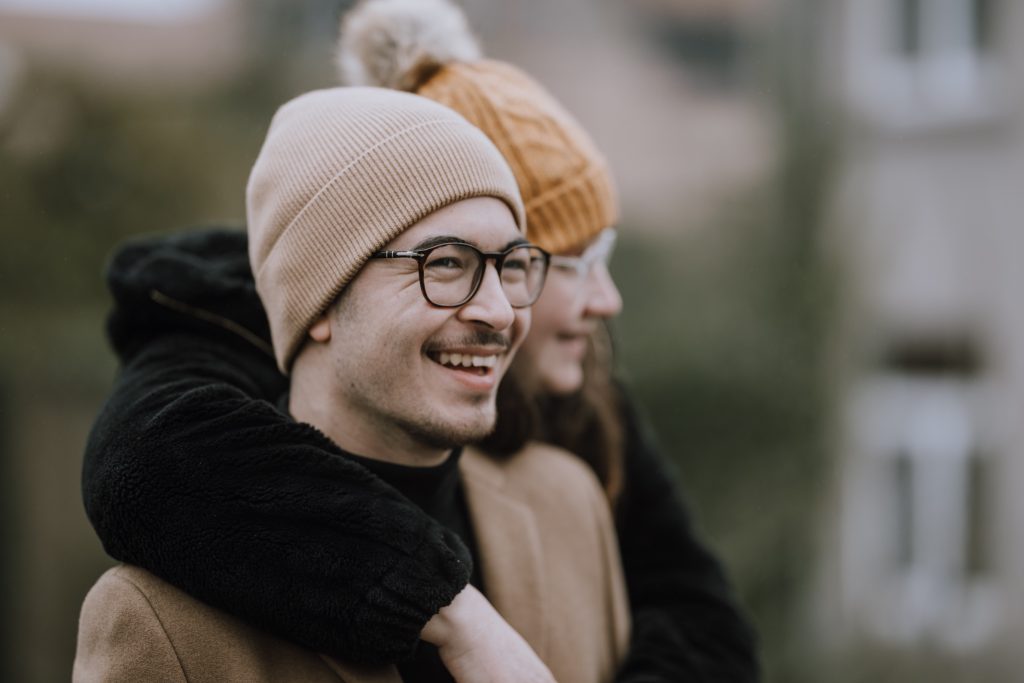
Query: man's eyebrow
x,y
438,239
449,239
517,242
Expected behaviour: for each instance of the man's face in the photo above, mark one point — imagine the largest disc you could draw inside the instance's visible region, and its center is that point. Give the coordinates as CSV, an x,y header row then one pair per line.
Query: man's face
x,y
396,358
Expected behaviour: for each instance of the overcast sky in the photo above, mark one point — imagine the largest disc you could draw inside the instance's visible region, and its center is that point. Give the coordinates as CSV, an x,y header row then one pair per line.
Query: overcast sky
x,y
126,10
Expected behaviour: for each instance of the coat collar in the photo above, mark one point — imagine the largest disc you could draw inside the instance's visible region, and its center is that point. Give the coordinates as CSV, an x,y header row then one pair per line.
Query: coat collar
x,y
509,548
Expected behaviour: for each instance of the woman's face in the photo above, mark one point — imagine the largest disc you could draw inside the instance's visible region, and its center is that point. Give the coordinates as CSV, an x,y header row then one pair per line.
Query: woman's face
x,y
578,295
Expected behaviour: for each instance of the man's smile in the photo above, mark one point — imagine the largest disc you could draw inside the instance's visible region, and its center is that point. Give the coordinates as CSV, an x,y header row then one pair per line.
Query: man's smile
x,y
479,363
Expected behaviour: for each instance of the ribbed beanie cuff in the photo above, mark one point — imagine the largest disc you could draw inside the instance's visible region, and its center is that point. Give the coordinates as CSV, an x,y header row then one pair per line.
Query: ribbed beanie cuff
x,y
342,173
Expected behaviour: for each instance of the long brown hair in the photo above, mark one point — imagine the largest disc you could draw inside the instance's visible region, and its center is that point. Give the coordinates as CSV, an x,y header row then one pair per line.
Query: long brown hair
x,y
587,422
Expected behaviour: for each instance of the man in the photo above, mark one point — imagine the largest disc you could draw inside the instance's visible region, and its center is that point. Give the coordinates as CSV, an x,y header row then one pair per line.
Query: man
x,y
385,235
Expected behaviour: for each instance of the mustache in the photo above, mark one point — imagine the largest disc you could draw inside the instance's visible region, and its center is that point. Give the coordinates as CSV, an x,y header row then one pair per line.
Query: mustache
x,y
478,338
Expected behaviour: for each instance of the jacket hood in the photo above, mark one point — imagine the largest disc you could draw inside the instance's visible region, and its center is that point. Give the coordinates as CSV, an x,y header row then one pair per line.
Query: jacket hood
x,y
190,282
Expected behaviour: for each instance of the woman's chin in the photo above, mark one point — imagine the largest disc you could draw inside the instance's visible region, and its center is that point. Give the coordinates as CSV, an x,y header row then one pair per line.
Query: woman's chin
x,y
563,380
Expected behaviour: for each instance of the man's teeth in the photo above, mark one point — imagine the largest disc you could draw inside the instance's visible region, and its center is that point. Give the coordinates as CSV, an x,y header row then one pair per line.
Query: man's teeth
x,y
467,360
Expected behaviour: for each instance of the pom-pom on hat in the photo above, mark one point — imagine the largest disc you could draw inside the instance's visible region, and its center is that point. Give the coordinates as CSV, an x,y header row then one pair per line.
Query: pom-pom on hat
x,y
343,172
425,46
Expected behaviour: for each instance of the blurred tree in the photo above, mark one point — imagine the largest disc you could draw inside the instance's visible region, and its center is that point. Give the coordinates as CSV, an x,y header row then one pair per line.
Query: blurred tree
x,y
83,167
724,337
7,522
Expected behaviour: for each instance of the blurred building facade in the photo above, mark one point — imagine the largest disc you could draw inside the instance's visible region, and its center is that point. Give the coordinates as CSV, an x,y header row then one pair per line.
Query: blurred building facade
x,y
923,555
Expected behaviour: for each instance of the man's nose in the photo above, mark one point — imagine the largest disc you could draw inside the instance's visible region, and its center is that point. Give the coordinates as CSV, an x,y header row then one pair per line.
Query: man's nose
x,y
602,296
489,305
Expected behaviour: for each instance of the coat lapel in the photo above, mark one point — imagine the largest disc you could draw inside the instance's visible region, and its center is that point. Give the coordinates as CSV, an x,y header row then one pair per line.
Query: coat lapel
x,y
509,546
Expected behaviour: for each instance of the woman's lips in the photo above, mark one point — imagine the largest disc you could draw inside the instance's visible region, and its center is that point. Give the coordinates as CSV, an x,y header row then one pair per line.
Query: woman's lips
x,y
575,343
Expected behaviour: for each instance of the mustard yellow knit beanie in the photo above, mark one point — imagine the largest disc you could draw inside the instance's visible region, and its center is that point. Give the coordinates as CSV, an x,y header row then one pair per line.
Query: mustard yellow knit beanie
x,y
342,172
425,46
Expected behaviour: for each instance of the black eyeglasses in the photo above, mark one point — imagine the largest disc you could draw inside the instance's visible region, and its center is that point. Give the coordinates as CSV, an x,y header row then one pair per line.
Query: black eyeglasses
x,y
451,273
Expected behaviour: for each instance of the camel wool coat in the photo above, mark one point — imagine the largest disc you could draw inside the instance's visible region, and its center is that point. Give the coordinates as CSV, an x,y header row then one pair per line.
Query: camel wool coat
x,y
550,565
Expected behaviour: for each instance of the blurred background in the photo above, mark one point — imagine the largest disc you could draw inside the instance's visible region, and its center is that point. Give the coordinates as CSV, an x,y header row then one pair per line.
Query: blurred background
x,y
820,255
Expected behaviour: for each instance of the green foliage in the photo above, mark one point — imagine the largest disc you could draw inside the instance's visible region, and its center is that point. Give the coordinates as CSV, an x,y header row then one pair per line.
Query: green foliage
x,y
722,336
83,167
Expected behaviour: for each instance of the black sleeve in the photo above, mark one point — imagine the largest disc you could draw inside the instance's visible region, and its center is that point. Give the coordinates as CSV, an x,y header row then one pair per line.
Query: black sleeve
x,y
189,476
686,626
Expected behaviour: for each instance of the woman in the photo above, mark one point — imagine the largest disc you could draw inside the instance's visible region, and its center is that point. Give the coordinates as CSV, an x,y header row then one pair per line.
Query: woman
x,y
176,478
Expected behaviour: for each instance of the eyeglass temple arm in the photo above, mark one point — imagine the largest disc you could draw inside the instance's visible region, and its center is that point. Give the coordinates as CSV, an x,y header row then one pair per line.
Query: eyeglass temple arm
x,y
398,254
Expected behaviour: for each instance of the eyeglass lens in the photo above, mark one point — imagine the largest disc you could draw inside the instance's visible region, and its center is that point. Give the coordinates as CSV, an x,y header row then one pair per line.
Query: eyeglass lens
x,y
452,274
598,252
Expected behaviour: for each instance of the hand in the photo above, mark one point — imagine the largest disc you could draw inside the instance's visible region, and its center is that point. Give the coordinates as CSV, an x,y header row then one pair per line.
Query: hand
x,y
478,646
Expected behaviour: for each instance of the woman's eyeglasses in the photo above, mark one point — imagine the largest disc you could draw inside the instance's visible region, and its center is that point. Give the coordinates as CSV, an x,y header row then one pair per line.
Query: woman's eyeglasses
x,y
598,252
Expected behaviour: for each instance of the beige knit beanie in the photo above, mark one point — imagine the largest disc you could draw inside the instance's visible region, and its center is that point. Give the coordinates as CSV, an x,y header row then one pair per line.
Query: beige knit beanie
x,y
341,173
425,46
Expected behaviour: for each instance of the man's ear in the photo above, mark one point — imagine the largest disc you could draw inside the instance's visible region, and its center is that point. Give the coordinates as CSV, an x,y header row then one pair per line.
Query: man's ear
x,y
320,331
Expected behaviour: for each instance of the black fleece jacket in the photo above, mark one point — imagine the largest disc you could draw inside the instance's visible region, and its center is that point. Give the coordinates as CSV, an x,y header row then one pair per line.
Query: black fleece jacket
x,y
193,474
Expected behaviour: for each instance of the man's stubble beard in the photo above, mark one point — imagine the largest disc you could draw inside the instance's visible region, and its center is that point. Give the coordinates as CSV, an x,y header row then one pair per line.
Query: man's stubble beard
x,y
438,434
423,426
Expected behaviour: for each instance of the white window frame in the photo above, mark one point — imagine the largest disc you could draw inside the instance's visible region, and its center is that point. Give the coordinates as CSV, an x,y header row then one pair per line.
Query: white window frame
x,y
933,598
948,81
